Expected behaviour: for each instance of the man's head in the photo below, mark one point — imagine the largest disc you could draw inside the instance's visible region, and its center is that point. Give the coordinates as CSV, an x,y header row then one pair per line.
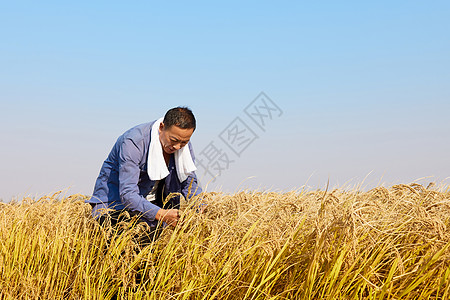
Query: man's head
x,y
176,129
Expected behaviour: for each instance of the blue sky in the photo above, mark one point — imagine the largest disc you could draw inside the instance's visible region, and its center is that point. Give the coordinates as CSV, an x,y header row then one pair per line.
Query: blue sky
x,y
364,88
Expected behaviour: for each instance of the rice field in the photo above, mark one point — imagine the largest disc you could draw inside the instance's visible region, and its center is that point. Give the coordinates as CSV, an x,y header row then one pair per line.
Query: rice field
x,y
386,243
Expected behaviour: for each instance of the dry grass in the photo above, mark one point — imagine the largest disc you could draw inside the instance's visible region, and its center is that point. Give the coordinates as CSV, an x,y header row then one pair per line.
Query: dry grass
x,y
388,243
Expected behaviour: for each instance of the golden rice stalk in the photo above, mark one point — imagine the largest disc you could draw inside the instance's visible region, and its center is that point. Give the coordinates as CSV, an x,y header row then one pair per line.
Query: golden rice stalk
x,y
386,243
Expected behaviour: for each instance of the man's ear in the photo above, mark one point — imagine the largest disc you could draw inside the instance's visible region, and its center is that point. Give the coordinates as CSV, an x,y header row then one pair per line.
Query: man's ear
x,y
161,127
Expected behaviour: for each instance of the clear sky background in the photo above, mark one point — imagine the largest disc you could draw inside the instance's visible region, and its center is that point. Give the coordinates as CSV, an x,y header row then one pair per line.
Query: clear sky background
x,y
364,88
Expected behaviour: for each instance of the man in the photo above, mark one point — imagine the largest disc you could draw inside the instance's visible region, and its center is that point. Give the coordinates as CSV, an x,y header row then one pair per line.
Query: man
x,y
146,164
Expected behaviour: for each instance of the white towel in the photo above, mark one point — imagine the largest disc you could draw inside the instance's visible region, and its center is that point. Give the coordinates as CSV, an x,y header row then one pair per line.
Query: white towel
x,y
156,165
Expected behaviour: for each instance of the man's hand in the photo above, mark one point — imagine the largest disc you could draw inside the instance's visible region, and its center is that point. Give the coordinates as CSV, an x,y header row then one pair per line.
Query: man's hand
x,y
202,208
169,216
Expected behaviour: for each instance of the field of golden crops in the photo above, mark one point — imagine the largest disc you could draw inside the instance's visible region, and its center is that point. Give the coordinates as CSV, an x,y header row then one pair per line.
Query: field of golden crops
x,y
387,243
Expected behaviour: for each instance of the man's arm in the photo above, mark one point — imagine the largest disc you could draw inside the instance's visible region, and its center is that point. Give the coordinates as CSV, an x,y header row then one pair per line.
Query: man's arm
x,y
129,172
190,186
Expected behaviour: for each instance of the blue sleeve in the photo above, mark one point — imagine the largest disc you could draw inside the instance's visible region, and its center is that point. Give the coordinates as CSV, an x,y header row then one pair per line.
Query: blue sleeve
x,y
128,181
190,186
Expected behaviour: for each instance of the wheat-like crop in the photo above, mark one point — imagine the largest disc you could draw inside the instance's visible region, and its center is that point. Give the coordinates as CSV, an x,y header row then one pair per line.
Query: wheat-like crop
x,y
386,243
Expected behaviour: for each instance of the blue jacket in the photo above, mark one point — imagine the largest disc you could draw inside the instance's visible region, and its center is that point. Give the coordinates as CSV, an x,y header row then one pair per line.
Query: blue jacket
x,y
123,181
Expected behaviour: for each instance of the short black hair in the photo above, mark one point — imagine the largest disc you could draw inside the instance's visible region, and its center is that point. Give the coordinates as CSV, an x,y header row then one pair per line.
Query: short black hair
x,y
179,116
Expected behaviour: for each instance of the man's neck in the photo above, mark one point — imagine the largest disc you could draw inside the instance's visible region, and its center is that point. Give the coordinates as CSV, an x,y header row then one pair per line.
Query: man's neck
x,y
166,157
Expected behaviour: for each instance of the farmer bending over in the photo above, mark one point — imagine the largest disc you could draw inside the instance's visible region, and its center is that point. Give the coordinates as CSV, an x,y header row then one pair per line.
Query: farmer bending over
x,y
145,165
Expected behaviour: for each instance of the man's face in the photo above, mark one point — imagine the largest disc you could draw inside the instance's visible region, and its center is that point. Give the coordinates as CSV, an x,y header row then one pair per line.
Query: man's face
x,y
174,138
